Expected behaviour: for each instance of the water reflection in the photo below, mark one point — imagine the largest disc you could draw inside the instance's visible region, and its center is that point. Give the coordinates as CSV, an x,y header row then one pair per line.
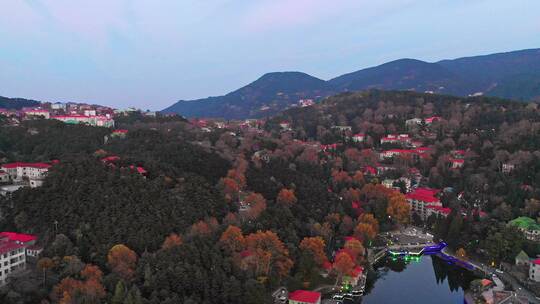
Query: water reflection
x,y
427,279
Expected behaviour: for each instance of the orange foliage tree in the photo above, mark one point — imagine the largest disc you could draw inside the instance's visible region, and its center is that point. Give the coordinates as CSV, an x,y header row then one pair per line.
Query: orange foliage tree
x,y
286,197
91,289
230,188
343,264
171,241
271,254
122,261
367,227
356,249
315,245
200,228
232,240
398,208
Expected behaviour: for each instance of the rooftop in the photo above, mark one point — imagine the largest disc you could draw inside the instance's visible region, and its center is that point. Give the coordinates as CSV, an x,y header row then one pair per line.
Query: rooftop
x,y
305,296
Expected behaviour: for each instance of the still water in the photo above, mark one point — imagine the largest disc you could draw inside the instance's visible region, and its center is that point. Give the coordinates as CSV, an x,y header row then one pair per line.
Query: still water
x,y
427,279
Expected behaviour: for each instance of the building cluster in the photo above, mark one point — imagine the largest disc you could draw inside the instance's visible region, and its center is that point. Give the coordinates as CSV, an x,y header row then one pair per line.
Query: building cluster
x,y
71,113
14,176
16,249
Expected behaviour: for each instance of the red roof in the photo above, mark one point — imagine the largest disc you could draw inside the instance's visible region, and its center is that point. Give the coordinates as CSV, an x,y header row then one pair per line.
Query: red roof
x,y
424,194
18,237
9,246
111,158
370,170
305,296
31,165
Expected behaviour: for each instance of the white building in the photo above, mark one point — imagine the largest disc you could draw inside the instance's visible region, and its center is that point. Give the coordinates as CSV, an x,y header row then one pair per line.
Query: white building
x,y
534,270
13,253
58,106
32,171
422,198
37,113
358,138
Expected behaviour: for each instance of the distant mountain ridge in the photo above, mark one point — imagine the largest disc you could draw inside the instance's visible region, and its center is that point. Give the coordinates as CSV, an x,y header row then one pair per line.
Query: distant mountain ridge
x,y
514,75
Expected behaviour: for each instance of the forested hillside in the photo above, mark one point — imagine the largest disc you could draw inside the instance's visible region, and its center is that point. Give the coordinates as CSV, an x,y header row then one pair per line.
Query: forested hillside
x,y
228,212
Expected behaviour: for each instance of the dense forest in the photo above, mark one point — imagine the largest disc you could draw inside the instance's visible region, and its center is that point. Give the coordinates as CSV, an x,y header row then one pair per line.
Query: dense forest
x,y
228,214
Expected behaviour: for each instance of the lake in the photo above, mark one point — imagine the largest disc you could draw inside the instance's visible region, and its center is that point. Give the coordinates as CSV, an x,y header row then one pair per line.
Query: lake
x,y
426,279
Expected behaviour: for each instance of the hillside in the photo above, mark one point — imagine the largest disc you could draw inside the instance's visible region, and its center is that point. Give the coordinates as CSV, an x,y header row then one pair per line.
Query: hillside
x,y
16,103
510,75
266,96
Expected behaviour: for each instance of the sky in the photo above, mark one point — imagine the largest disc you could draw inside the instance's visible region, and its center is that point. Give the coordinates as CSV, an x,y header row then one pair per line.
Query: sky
x,y
149,54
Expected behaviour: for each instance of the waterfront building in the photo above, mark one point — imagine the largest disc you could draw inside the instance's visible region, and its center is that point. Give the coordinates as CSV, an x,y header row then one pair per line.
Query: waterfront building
x,y
304,297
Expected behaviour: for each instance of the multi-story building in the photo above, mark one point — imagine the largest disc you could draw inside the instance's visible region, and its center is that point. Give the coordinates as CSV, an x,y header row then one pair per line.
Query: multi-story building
x,y
13,247
96,120
34,172
421,198
37,113
534,270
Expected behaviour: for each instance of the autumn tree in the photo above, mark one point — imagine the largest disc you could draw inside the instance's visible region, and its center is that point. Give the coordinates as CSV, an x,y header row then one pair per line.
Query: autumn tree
x,y
171,241
343,264
367,227
232,240
315,246
122,261
271,254
230,188
90,290
356,249
398,208
286,197
200,228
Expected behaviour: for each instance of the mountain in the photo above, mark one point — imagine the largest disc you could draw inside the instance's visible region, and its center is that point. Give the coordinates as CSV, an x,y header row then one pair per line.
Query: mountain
x,y
16,103
514,75
265,96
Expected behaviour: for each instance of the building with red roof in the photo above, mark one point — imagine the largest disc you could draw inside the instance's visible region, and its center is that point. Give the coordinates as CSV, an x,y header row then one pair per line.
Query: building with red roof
x,y
34,172
456,163
396,139
359,137
36,113
13,253
304,297
439,211
432,119
421,198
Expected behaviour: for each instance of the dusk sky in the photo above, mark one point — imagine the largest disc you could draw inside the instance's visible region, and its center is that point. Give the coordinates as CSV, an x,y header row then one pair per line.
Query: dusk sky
x,y
144,54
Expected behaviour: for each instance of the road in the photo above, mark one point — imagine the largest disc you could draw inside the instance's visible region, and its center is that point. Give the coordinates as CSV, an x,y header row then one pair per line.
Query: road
x,y
518,288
